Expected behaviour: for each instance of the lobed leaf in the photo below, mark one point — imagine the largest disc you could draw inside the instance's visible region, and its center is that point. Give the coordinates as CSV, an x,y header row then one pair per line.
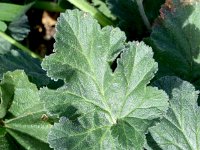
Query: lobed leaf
x,y
179,128
101,109
176,40
23,112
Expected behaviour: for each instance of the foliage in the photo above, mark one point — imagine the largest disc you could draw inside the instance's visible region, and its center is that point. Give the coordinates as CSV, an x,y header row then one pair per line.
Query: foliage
x,y
131,14
113,107
180,125
22,112
99,89
10,12
101,5
3,26
176,41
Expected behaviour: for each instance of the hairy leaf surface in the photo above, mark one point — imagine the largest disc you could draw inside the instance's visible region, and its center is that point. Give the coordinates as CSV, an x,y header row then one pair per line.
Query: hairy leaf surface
x,y
21,113
114,108
179,128
176,38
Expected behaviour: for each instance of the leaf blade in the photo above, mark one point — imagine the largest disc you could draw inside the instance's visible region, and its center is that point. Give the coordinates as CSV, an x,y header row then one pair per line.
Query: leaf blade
x,y
10,12
26,111
179,127
91,96
175,37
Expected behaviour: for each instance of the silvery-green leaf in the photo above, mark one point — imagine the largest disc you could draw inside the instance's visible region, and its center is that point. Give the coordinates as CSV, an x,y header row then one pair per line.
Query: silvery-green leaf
x,y
179,128
114,109
25,120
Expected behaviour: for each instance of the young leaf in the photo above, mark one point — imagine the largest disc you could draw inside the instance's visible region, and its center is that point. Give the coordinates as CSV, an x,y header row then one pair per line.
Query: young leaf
x,y
179,128
24,112
115,108
176,38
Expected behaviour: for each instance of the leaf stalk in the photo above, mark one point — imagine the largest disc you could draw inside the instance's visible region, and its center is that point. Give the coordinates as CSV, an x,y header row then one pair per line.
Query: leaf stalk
x,y
143,14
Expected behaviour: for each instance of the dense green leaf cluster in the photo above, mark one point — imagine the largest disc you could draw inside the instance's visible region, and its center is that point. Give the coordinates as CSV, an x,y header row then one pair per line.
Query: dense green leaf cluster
x,y
114,94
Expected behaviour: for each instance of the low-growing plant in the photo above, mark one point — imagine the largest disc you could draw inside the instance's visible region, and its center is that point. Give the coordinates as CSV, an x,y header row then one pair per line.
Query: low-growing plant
x,y
114,94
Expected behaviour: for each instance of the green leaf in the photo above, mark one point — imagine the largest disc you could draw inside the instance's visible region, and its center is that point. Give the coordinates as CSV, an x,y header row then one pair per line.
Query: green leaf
x,y
4,144
64,4
152,8
176,40
49,6
131,17
5,46
114,109
7,144
25,124
19,28
2,130
101,5
179,128
6,94
3,26
87,7
10,12
14,59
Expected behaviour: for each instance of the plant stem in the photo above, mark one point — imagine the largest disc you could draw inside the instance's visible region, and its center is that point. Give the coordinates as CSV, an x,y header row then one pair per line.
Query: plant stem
x,y
19,45
143,15
85,6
